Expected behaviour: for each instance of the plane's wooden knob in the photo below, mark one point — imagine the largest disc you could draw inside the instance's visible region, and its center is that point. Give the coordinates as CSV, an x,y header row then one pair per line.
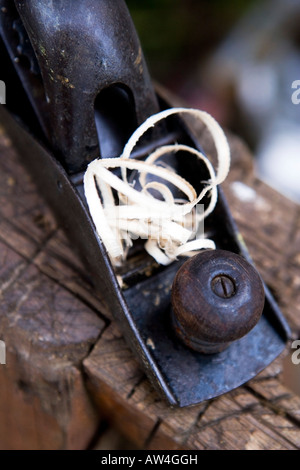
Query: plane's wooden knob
x,y
217,297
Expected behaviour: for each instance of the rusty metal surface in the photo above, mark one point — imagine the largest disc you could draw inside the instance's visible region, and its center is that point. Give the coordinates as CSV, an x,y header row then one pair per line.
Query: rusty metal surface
x,y
142,308
86,51
191,376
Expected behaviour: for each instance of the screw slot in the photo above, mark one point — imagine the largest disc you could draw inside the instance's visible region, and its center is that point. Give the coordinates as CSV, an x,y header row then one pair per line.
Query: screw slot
x,y
223,286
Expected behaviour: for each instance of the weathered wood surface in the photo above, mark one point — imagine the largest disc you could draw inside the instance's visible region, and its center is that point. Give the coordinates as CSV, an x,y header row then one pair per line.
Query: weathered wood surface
x,y
68,367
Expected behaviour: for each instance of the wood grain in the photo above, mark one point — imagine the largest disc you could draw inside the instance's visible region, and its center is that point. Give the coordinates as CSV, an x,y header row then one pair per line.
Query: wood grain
x,y
47,329
243,419
68,366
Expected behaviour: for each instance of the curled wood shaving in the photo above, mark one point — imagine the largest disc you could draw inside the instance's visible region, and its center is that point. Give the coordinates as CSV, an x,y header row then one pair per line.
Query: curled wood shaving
x,y
167,223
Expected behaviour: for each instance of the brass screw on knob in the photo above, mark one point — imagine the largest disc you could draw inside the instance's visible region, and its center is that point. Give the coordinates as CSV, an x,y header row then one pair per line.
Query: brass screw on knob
x,y
217,297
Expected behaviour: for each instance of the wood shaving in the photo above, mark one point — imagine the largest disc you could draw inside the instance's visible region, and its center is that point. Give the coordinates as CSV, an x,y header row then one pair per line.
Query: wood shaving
x,y
167,223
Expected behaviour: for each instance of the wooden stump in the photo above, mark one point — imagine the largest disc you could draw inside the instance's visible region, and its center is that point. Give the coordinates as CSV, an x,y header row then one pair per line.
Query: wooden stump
x,y
68,366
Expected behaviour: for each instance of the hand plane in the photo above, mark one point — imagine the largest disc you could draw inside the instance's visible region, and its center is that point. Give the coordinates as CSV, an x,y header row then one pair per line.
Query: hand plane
x,y
77,88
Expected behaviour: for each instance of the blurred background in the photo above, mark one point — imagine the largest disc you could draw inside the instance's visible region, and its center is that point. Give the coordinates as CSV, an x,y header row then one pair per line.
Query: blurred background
x,y
238,60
